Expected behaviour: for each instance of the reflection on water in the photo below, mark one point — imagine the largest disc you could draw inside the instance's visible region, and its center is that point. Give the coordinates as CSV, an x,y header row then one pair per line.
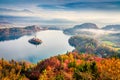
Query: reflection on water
x,y
54,43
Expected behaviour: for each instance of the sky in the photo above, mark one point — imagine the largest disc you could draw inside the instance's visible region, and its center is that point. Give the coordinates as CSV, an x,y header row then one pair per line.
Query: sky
x,y
101,12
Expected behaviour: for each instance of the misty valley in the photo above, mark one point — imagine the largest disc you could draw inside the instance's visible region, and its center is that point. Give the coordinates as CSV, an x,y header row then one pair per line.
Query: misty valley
x,y
86,36
59,40
64,51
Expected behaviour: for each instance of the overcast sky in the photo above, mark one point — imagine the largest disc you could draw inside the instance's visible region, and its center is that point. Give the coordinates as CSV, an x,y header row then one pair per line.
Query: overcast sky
x,y
64,11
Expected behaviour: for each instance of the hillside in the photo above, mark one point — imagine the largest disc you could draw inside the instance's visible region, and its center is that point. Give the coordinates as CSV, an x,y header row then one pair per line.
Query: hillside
x,y
89,45
17,32
77,29
86,26
69,66
112,37
112,27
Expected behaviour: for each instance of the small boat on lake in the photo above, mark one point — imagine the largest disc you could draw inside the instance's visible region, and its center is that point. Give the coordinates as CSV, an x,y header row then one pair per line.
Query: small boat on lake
x,y
35,41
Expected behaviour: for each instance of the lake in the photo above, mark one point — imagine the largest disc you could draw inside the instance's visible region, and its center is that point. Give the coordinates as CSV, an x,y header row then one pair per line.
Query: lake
x,y
54,42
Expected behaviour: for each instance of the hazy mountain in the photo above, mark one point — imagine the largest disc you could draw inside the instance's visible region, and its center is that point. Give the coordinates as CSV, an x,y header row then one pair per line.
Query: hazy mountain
x,y
86,26
78,28
112,27
5,25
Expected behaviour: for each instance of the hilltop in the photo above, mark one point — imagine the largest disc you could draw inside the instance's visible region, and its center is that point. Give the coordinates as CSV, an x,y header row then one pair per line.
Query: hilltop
x,y
77,29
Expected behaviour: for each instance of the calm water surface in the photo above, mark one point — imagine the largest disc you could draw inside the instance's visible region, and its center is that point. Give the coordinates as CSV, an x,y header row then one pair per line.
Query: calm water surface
x,y
54,43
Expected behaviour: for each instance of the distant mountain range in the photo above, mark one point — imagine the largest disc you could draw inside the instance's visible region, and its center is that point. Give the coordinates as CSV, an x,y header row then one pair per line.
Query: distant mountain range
x,y
5,25
112,27
86,27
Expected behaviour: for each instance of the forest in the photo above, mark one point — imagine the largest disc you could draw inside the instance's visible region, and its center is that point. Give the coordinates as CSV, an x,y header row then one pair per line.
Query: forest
x,y
69,66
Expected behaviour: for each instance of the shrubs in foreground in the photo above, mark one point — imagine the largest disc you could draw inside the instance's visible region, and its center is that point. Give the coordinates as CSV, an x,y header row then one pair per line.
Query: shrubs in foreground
x,y
13,70
70,66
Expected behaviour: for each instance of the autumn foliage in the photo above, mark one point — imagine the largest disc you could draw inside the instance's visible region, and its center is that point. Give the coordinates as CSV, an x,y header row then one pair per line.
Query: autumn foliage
x,y
69,66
